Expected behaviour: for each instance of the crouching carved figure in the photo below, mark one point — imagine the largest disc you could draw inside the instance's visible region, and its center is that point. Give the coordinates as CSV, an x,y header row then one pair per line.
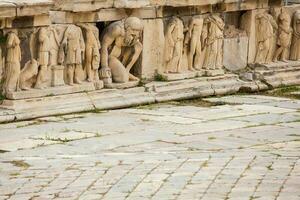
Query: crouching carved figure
x,y
121,48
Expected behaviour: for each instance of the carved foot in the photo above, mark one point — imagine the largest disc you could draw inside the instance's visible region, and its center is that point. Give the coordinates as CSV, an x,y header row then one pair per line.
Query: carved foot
x,y
133,78
77,81
192,69
285,61
39,87
25,88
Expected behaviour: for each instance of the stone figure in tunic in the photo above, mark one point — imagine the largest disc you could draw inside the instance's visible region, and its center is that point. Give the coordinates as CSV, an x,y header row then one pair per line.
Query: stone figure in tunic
x,y
193,40
295,49
214,43
121,48
174,45
13,59
264,37
73,48
284,37
43,57
92,52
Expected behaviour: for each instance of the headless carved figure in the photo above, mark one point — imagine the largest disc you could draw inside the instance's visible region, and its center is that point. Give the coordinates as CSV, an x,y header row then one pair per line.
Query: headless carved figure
x,y
264,36
214,49
13,58
284,37
174,45
43,57
92,52
193,38
74,47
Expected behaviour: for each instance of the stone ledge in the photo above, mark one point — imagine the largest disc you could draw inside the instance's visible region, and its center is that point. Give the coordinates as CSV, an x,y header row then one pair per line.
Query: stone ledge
x,y
52,91
12,110
129,84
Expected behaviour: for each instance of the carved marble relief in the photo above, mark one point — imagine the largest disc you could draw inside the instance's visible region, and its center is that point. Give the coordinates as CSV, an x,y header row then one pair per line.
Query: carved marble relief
x,y
194,43
12,65
203,42
174,45
295,48
72,51
214,43
284,37
121,48
92,52
265,34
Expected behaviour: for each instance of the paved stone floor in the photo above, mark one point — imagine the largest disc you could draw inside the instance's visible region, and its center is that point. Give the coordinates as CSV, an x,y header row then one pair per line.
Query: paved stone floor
x,y
246,148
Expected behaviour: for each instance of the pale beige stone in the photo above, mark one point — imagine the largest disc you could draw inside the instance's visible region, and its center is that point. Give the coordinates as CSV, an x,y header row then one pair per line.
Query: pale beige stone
x,y
131,3
193,40
128,84
284,37
178,76
125,34
57,75
51,91
295,49
153,48
174,45
214,43
73,48
235,53
28,75
12,65
92,52
43,43
265,25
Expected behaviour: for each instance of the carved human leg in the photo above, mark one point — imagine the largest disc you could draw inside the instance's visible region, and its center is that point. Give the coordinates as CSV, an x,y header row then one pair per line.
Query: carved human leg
x,y
70,74
193,48
12,76
197,59
42,77
77,74
118,71
219,58
278,54
88,65
178,56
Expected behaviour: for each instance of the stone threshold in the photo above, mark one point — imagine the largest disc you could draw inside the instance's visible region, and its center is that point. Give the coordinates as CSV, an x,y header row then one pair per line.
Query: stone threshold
x,y
105,99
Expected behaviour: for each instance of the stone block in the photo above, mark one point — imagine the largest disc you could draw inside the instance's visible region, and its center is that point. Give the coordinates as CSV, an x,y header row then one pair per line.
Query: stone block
x,y
235,53
57,76
51,91
131,3
6,10
214,72
129,84
179,76
152,58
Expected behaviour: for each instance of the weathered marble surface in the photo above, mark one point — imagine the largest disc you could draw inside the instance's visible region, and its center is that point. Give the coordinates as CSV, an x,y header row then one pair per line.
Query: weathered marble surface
x,y
179,151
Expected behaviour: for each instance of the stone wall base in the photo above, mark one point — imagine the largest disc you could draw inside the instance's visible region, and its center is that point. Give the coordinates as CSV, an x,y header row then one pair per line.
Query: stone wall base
x,y
154,92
